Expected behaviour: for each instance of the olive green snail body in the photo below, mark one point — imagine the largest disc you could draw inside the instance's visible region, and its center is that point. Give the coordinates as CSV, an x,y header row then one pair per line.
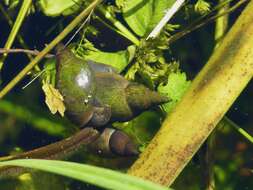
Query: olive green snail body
x,y
96,95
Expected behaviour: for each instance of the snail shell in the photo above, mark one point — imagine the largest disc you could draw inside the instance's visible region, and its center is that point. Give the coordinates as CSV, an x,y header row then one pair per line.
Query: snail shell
x,y
76,82
113,142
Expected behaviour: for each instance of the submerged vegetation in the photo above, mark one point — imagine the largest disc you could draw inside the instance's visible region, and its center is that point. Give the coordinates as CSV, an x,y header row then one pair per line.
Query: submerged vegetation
x,y
192,57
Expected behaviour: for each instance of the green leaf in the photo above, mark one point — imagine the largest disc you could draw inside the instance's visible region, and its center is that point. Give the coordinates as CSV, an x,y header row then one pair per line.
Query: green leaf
x,y
118,60
58,7
142,16
176,86
101,177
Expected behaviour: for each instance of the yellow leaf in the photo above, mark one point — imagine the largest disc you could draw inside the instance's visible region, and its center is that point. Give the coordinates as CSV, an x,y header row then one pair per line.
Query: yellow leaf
x,y
54,99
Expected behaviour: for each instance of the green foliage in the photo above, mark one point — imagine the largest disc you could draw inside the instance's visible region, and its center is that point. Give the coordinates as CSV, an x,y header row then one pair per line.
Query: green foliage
x,y
176,85
101,177
118,60
59,7
142,16
153,63
150,66
202,7
11,3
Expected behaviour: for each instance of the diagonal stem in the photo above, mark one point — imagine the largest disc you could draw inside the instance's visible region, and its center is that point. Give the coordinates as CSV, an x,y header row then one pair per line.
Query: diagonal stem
x,y
20,18
209,97
49,47
58,150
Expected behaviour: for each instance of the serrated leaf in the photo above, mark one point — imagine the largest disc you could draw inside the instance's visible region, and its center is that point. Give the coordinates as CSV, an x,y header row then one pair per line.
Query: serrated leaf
x,y
176,86
142,16
54,99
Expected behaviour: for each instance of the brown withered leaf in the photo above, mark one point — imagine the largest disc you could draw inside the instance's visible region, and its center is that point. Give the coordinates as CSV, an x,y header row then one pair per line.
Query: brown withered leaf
x,y
54,99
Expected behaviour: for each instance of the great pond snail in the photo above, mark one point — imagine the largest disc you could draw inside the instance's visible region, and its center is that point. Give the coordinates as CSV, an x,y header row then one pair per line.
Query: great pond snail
x,y
96,95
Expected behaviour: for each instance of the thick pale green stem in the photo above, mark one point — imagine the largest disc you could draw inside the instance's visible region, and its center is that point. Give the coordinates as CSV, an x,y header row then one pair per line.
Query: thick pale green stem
x,y
49,47
209,158
210,96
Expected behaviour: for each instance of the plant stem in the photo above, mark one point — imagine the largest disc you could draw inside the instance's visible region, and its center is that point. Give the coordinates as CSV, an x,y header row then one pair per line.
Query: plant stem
x,y
58,150
123,30
111,27
21,15
209,162
221,24
209,97
10,22
199,23
27,51
49,47
240,130
209,158
169,14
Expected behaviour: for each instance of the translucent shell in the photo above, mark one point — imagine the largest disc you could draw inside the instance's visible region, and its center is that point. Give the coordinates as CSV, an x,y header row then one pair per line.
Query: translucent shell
x,y
76,82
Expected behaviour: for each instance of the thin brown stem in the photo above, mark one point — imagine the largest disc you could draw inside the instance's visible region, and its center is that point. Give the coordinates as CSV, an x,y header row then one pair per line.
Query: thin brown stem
x,y
27,51
59,150
199,24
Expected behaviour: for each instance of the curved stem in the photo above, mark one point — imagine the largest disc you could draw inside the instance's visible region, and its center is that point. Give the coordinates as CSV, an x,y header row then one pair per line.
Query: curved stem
x,y
59,150
27,51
